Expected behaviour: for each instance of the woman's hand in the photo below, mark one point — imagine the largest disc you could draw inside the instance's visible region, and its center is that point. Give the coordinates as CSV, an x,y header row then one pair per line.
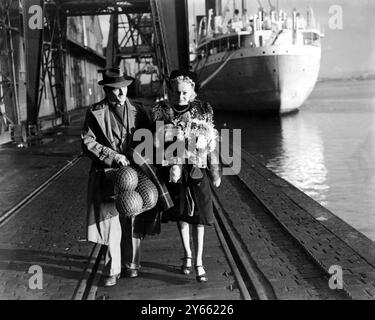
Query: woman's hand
x,y
121,160
175,173
217,182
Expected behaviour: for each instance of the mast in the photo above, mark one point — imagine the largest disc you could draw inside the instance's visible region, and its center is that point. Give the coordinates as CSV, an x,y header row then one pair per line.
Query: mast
x,y
215,5
218,8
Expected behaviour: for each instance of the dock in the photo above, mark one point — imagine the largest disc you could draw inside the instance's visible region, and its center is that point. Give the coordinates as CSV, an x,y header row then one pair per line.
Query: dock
x,y
269,240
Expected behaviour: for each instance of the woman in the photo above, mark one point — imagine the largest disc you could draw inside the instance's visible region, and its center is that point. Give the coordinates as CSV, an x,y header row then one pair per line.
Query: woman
x,y
189,182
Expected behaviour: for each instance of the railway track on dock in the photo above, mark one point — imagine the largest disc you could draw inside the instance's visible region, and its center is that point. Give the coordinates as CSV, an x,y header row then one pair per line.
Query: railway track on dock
x,y
271,263
267,262
251,279
27,199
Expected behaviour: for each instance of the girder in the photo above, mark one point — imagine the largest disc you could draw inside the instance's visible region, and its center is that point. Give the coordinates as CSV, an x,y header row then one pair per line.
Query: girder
x,y
33,37
100,7
160,34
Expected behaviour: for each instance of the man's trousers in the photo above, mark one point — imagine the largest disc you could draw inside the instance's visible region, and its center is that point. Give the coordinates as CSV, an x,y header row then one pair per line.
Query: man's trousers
x,y
124,249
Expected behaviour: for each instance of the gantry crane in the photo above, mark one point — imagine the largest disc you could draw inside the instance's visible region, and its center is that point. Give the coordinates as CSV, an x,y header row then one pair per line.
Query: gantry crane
x,y
151,29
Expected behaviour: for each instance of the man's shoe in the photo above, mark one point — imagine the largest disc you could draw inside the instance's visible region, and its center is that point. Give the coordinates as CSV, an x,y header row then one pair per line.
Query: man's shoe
x,y
110,281
130,273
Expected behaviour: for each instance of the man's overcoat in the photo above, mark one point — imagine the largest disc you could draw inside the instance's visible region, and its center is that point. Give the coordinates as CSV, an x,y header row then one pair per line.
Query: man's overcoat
x,y
99,145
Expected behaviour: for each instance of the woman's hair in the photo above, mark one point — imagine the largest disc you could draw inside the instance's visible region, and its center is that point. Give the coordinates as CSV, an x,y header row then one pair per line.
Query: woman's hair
x,y
184,75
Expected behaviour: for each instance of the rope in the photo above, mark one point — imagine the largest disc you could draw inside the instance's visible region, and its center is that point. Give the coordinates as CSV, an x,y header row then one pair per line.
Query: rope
x,y
217,70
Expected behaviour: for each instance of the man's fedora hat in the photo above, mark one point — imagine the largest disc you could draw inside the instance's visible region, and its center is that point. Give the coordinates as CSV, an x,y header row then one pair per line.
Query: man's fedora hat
x,y
113,78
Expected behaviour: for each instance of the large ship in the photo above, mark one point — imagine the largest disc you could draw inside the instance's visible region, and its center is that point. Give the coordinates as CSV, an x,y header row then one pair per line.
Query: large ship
x,y
267,62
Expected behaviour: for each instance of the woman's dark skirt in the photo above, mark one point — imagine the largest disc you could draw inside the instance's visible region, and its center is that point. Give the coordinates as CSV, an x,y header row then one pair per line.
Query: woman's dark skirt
x,y
201,195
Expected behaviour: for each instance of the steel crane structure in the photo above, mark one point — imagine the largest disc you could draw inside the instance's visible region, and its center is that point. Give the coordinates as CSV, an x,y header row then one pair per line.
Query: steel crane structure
x,y
156,29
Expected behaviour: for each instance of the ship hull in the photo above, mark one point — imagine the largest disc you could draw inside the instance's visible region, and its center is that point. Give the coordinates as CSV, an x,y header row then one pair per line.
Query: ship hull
x,y
268,80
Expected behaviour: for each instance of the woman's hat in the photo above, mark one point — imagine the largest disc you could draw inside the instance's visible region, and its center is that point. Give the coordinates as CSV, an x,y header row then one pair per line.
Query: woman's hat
x,y
184,75
112,78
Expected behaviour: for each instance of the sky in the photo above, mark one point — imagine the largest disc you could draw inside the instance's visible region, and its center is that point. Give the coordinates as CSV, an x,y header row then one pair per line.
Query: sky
x,y
346,51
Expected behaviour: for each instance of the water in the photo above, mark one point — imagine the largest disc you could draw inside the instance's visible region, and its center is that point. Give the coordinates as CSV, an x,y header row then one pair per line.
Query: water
x,y
327,149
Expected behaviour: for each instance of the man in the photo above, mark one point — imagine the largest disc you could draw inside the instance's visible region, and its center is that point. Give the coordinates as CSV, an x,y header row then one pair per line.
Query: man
x,y
245,19
106,139
236,16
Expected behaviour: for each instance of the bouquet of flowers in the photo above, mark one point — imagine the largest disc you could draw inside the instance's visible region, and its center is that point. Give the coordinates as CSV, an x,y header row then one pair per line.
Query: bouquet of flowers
x,y
196,135
199,138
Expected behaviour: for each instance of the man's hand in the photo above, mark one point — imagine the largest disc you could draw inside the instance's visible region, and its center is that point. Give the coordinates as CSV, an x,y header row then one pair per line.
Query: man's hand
x,y
217,182
121,160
